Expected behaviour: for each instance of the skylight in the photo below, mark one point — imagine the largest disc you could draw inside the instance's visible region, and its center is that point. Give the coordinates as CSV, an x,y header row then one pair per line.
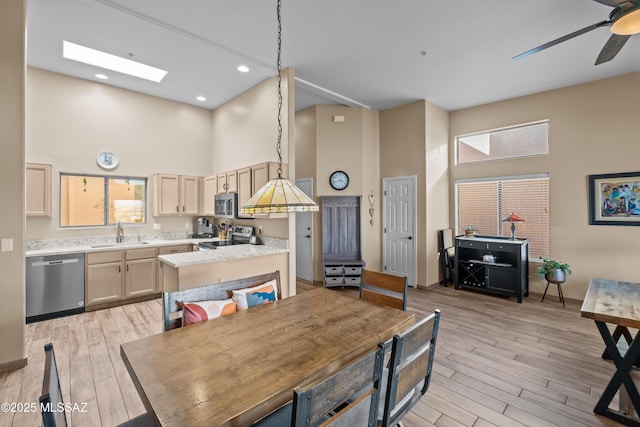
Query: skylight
x,y
86,55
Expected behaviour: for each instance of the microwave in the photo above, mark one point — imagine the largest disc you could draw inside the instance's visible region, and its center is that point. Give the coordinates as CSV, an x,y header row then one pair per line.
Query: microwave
x,y
225,205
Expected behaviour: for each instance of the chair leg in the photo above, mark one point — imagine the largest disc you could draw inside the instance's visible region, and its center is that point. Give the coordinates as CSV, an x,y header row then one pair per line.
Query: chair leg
x,y
545,292
560,295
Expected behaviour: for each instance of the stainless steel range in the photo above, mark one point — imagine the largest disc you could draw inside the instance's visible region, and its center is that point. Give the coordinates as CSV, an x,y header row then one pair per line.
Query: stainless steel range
x,y
240,235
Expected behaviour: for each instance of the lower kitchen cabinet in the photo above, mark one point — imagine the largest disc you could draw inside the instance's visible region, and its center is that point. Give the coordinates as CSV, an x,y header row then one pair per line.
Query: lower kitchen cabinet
x,y
141,272
166,250
104,277
113,276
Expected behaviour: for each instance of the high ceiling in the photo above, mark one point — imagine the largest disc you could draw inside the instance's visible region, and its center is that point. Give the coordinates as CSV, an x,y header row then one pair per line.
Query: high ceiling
x,y
375,53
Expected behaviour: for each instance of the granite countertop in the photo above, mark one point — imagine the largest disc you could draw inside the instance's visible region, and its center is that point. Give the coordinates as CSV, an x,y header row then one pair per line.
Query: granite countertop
x,y
224,253
101,247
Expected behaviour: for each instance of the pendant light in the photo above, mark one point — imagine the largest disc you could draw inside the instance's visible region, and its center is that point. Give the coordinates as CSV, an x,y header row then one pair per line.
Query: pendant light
x,y
279,195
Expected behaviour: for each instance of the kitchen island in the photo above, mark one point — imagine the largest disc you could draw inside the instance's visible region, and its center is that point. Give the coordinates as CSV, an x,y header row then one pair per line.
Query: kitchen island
x,y
192,269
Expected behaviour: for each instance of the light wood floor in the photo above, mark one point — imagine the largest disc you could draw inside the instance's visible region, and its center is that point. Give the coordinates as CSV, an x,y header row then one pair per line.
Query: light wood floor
x,y
497,363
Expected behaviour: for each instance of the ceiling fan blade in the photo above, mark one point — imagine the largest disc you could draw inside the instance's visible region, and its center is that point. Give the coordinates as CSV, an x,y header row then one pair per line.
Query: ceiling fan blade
x,y
612,3
611,48
561,39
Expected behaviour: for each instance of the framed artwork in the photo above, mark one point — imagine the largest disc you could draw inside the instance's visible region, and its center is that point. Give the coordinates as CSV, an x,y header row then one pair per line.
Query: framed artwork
x,y
614,199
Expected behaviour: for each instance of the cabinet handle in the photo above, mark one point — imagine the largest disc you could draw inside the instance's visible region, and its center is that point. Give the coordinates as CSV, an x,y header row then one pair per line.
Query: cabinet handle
x,y
119,269
127,267
177,208
183,209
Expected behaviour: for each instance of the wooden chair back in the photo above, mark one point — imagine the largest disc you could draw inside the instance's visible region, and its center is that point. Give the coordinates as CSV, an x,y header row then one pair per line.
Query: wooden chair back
x,y
412,354
171,307
348,398
51,396
386,289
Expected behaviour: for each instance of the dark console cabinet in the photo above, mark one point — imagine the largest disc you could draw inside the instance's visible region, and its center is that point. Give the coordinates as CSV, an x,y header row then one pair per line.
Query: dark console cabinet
x,y
506,274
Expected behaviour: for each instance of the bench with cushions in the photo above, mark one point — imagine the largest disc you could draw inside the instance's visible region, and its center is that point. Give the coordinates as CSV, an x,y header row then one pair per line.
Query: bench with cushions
x,y
216,298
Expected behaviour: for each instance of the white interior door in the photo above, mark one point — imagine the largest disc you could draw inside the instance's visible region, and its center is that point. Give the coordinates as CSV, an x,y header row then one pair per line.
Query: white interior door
x,y
399,219
304,235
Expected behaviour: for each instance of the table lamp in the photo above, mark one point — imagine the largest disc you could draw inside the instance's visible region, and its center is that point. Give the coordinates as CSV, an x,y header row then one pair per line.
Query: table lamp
x,y
513,218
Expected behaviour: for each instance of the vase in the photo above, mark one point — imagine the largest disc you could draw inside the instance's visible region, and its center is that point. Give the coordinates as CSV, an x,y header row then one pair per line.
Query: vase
x,y
556,276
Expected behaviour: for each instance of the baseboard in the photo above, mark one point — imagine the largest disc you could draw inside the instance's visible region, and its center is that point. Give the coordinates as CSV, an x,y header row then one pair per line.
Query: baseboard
x,y
122,302
13,365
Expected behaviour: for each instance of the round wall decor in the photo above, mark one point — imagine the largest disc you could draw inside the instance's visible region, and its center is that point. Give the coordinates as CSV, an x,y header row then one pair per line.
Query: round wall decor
x,y
107,160
339,180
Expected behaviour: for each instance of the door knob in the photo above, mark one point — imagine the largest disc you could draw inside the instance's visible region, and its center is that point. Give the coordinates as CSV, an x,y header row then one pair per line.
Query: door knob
x,y
308,236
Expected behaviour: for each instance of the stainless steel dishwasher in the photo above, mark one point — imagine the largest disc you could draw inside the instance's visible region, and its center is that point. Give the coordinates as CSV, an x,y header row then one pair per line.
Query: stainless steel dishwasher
x,y
55,286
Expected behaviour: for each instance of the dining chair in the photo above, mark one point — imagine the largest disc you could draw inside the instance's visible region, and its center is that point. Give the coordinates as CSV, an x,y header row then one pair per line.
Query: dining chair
x,y
385,289
51,397
347,398
51,401
409,371
446,253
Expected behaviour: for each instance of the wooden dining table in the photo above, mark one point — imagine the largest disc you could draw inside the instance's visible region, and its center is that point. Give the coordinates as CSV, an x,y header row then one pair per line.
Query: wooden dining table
x,y
233,370
617,303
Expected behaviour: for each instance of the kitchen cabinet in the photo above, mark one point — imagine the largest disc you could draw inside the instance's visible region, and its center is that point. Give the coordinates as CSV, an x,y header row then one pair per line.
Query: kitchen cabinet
x,y
189,194
244,189
114,276
228,182
175,194
166,250
260,175
495,265
104,281
209,190
140,272
38,189
265,172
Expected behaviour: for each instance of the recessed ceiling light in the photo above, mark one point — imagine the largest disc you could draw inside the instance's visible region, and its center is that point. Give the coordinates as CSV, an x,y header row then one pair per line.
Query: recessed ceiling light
x,y
243,69
201,98
90,56
101,76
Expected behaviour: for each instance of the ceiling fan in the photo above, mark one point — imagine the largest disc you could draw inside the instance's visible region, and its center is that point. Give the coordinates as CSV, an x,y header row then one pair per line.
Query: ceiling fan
x,y
624,21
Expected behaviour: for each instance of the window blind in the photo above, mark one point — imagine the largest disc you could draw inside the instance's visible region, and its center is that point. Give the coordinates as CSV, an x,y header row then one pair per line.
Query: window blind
x,y
483,203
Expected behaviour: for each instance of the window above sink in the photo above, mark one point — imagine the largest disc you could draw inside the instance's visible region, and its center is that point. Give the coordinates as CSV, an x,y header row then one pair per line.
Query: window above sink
x,y
99,200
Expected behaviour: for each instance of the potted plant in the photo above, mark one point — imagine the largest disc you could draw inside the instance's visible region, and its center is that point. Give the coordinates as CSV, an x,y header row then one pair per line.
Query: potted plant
x,y
554,271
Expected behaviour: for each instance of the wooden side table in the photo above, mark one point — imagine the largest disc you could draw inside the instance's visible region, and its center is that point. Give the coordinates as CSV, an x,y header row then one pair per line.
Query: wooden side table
x,y
611,301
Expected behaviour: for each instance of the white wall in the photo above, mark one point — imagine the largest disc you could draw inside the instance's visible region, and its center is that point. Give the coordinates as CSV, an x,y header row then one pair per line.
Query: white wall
x,y
593,130
69,121
12,223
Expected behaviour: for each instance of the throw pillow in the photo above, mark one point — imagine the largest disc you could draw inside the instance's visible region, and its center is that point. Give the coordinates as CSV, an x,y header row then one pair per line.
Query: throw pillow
x,y
257,295
197,311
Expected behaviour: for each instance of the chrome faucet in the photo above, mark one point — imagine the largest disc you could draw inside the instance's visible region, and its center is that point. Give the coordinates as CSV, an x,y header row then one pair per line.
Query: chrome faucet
x,y
119,233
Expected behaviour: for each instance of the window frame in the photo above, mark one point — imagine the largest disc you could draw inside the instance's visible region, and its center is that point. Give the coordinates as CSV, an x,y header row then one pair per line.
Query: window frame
x,y
496,179
105,211
457,139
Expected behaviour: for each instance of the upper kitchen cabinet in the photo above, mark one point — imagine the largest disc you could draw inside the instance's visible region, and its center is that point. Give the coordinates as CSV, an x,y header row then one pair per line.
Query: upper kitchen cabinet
x,y
244,189
228,182
175,194
38,190
209,190
265,172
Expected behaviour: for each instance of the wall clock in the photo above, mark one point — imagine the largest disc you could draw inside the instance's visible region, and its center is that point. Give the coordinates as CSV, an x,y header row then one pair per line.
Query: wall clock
x,y
339,180
107,160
